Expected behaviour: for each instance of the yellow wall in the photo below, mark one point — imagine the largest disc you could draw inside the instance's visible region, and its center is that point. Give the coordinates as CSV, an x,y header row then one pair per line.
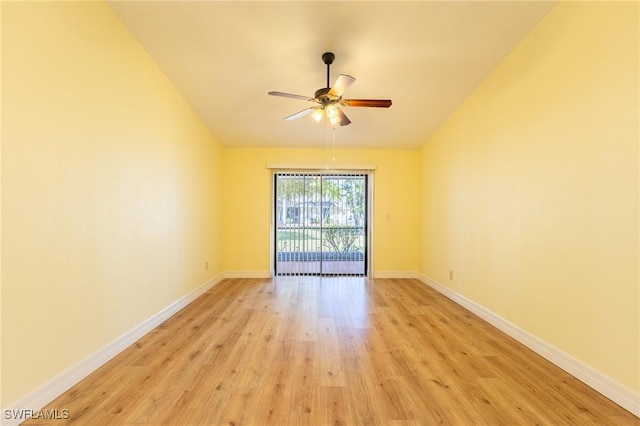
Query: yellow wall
x,y
111,189
248,204
530,189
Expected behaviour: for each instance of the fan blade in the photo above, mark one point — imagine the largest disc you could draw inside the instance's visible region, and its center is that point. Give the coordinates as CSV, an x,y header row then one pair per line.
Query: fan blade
x,y
341,85
343,120
375,103
300,114
290,95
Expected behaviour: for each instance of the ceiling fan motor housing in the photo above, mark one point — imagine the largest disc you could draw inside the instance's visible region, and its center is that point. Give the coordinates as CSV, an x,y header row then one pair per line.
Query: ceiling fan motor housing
x,y
324,97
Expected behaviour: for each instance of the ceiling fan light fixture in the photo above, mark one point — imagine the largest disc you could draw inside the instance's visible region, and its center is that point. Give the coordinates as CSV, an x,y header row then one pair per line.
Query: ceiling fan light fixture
x,y
317,114
332,111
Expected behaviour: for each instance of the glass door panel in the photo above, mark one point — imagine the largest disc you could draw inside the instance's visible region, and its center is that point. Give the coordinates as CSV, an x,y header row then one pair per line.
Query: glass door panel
x,y
320,224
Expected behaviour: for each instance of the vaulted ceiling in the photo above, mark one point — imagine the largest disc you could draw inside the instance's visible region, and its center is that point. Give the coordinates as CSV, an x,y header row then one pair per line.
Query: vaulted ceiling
x,y
426,56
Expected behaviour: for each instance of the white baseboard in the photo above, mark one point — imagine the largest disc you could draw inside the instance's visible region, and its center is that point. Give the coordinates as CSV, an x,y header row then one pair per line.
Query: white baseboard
x,y
47,392
267,274
607,386
247,274
395,274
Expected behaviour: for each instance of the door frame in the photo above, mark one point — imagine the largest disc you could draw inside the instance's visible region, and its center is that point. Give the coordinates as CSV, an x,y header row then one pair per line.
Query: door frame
x,y
367,170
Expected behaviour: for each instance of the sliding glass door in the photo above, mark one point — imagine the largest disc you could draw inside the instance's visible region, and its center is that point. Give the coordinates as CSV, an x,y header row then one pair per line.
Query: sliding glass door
x,y
320,224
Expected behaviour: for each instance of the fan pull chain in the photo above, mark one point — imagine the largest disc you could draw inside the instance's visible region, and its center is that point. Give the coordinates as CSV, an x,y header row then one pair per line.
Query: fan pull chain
x,y
326,138
334,144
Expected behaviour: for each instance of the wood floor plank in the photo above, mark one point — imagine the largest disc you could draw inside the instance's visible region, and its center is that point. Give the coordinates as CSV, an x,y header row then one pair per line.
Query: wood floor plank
x,y
340,351
306,374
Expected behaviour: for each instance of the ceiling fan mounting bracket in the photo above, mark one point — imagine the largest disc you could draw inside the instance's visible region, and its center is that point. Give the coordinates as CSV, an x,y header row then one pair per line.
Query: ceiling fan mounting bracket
x,y
328,58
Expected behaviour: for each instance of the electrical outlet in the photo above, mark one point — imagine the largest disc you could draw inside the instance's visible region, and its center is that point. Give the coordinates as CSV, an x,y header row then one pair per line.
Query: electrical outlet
x,y
450,275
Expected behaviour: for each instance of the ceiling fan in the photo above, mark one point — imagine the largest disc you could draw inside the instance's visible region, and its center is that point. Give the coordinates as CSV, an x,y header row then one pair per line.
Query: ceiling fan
x,y
329,98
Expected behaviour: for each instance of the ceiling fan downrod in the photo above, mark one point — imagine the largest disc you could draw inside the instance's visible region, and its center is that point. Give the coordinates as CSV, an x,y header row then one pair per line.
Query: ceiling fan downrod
x,y
328,58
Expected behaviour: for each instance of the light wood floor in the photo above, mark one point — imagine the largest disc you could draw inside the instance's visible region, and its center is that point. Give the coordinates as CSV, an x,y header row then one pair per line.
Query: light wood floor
x,y
331,351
